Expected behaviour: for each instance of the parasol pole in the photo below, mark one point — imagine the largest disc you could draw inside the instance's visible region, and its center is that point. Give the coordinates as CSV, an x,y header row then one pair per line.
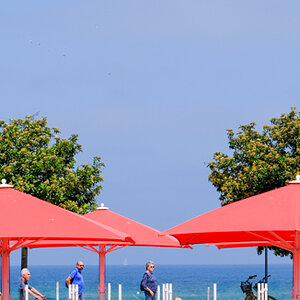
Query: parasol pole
x,y
296,279
102,287
296,260
5,270
296,270
266,264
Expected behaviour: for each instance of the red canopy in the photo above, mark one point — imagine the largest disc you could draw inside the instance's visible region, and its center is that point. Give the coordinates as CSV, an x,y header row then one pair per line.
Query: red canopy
x,y
25,219
141,234
271,218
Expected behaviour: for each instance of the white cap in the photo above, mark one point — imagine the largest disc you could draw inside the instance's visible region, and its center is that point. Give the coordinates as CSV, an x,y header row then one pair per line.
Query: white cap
x,y
102,206
297,179
4,185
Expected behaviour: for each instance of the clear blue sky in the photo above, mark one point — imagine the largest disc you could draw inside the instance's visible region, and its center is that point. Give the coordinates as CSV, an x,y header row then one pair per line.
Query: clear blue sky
x,y
151,86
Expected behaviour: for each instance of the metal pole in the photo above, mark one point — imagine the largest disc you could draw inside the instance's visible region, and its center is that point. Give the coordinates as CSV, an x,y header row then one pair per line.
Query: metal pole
x,y
102,288
5,270
266,264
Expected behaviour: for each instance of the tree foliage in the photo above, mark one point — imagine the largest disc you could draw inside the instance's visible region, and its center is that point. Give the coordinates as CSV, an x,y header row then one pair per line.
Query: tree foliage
x,y
37,161
260,161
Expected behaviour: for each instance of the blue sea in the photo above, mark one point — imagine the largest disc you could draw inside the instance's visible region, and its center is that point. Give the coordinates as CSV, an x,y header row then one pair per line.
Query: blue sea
x,y
189,282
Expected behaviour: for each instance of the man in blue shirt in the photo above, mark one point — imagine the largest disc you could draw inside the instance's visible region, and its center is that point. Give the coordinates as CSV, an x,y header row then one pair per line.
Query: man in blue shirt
x,y
75,277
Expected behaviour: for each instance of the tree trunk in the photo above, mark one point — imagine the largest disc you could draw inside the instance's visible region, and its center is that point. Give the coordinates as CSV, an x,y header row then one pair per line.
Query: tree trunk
x,y
24,263
24,258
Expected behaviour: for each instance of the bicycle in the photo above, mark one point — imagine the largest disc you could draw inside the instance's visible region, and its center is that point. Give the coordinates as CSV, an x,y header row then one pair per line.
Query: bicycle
x,y
246,287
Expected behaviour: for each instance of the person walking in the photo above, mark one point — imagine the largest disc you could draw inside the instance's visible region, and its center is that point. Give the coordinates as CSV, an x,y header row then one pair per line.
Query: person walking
x,y
149,282
76,277
25,276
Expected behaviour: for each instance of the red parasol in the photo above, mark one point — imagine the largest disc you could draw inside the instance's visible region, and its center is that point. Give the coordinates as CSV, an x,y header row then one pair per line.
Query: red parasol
x,y
26,219
271,218
143,236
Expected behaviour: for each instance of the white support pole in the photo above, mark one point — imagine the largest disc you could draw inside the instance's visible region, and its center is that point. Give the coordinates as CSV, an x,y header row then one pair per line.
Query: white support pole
x,y
266,291
26,291
170,291
166,291
158,292
215,291
163,291
57,290
120,291
259,291
208,293
109,291
73,291
76,292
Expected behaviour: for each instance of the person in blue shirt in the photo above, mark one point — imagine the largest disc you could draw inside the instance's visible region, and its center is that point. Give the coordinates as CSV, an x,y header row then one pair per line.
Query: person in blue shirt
x,y
149,282
76,277
25,276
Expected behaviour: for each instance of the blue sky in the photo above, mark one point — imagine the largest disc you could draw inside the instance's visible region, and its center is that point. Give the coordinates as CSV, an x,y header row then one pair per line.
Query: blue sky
x,y
151,87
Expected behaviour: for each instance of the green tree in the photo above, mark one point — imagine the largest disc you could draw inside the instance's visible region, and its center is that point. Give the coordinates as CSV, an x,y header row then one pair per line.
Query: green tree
x,y
35,160
260,161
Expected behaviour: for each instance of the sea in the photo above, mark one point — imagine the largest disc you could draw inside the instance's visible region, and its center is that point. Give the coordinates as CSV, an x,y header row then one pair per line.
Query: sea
x,y
190,282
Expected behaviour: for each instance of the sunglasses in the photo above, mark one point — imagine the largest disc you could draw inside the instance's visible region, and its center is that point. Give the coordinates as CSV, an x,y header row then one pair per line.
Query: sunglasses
x,y
152,267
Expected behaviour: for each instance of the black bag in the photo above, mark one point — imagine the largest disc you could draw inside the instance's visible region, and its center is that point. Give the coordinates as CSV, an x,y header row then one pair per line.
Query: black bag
x,y
141,286
70,282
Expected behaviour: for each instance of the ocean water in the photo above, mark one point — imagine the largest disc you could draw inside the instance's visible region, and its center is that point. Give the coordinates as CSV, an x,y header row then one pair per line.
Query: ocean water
x,y
189,282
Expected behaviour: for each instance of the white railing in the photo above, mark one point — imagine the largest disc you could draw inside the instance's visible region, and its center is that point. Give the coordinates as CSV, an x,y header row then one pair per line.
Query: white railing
x,y
214,292
167,291
262,291
73,291
165,294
